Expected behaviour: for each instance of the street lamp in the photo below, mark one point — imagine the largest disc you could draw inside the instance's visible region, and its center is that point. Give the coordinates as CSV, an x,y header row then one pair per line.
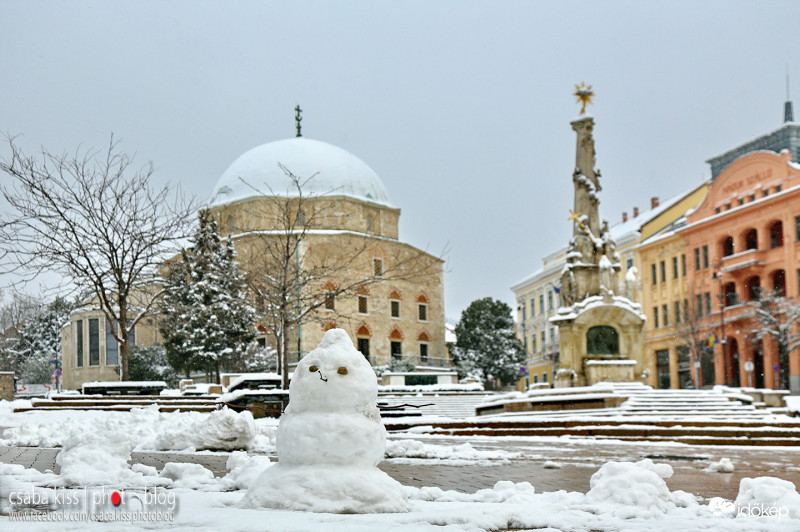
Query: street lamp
x,y
724,340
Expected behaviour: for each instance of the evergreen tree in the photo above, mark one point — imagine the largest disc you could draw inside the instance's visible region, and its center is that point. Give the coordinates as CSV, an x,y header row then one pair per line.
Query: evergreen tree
x,y
175,307
38,343
209,321
486,346
151,364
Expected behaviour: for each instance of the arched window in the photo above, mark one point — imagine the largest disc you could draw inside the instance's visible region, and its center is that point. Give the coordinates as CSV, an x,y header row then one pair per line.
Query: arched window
x,y
752,288
602,340
727,246
396,343
363,335
779,282
776,234
729,289
422,307
751,239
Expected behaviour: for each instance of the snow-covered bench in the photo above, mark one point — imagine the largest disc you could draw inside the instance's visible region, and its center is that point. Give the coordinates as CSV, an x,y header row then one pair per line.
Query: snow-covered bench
x,y
124,388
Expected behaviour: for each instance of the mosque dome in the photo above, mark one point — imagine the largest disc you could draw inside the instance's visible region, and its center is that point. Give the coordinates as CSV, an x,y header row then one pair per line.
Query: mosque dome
x,y
336,172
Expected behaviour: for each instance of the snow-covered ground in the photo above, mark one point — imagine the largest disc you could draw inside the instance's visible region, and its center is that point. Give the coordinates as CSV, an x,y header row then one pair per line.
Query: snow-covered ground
x,y
96,447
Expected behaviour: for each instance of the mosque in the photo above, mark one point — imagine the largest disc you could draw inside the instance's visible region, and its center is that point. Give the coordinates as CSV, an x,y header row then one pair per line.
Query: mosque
x,y
347,230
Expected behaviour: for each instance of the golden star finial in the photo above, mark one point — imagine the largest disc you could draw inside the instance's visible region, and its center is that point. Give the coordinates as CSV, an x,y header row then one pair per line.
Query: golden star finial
x,y
583,95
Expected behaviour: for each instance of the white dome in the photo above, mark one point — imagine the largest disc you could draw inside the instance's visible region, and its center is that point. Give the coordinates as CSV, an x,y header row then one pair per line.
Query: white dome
x,y
336,173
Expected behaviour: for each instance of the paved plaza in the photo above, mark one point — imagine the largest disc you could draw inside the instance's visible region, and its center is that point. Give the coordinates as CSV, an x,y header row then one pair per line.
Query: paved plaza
x,y
578,460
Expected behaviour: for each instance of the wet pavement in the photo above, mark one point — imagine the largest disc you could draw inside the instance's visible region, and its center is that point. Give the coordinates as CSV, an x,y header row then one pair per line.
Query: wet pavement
x,y
578,460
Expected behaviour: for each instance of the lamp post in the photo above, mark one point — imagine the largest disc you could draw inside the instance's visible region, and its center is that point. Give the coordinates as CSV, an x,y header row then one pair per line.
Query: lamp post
x,y
724,341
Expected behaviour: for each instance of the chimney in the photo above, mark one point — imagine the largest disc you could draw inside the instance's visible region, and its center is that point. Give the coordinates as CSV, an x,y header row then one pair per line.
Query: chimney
x,y
654,202
635,212
624,217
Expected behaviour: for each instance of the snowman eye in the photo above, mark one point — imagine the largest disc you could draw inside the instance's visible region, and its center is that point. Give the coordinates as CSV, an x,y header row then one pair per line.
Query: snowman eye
x,y
342,371
313,369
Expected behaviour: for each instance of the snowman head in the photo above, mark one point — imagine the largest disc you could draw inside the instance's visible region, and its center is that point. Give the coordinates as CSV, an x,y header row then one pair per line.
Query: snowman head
x,y
334,377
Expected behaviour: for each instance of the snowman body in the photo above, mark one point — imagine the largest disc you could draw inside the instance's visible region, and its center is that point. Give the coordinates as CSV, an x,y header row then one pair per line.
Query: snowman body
x,y
330,439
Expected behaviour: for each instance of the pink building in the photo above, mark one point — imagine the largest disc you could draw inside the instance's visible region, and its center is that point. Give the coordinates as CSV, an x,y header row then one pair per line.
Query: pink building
x,y
744,240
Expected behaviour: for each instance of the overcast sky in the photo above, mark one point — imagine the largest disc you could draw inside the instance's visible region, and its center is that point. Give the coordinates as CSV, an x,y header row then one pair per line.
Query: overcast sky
x,y
462,108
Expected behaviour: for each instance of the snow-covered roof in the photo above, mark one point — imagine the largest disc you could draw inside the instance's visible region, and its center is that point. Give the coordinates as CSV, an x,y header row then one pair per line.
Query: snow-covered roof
x,y
336,172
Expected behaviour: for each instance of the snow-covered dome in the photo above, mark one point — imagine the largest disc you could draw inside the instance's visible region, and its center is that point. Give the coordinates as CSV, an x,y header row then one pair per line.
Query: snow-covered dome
x,y
336,172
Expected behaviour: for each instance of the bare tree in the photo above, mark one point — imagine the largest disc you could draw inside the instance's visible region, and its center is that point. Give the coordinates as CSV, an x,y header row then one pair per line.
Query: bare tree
x,y
777,317
94,219
291,281
694,331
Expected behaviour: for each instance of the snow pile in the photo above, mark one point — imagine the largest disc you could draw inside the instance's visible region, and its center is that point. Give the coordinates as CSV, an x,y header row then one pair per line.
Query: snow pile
x,y
145,429
636,489
244,469
330,439
503,491
768,497
723,466
446,453
266,435
191,476
95,460
223,429
552,465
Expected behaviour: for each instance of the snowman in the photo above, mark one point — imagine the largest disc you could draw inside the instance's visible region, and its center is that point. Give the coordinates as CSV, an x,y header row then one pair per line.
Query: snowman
x,y
330,439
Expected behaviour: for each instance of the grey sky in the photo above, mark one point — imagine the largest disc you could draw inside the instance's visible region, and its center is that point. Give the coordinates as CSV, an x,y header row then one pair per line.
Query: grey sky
x,y
462,108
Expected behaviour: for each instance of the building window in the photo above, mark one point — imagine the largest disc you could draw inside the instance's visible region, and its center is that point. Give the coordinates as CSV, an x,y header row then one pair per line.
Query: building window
x,y
377,267
541,303
717,210
697,259
544,339
79,342
653,273
662,368
766,192
552,335
776,234
677,306
533,307
655,317
751,239
674,267
422,311
729,293
544,376
741,201
549,301
708,303
779,282
396,349
778,188
533,336
363,307
663,271
699,305
628,264
665,315
535,379
705,256
683,265
363,346
230,224
395,308
524,310
727,246
112,347
797,228
423,352
752,287
94,342
330,300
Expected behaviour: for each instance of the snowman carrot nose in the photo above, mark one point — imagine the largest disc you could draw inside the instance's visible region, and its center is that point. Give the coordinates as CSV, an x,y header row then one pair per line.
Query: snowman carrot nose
x,y
321,377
